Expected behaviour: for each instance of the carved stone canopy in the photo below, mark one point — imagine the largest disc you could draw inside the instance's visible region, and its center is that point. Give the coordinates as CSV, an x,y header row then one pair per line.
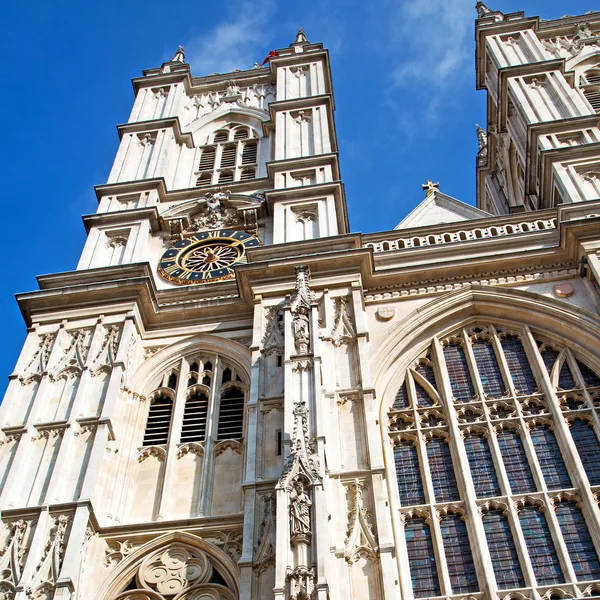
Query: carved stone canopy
x,y
215,210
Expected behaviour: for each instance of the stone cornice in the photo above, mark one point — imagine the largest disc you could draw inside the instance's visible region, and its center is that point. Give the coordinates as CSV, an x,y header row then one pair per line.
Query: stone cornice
x,y
270,270
249,186
123,216
166,123
306,162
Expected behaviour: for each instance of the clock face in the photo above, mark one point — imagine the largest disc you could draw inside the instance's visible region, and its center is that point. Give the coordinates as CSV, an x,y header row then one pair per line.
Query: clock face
x,y
206,257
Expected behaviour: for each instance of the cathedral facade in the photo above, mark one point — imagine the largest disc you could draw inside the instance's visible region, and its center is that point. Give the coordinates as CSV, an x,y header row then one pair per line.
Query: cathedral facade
x,y
234,396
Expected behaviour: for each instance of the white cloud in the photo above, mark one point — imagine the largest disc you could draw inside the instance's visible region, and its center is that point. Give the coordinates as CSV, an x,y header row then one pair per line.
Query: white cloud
x,y
433,41
235,43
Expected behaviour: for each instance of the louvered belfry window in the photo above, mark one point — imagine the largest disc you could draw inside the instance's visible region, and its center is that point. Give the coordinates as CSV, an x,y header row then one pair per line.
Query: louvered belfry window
x,y
213,399
591,88
510,420
231,155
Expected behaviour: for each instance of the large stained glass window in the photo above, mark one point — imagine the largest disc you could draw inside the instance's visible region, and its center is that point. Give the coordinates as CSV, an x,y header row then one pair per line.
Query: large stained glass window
x,y
516,441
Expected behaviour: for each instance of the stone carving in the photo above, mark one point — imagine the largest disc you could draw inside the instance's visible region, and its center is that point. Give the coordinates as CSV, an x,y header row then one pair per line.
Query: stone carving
x,y
150,351
48,569
171,571
255,96
482,141
305,215
299,512
228,541
482,9
570,46
108,351
116,551
155,451
190,448
265,546
301,327
300,307
301,37
273,342
227,445
343,331
216,215
39,363
359,536
75,355
12,557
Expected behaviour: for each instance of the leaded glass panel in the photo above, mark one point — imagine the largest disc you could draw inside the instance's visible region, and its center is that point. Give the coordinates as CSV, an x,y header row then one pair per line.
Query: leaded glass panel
x,y
489,372
458,371
421,558
502,551
401,399
542,553
518,365
483,472
589,377
442,473
550,458
588,447
458,555
515,462
578,541
408,475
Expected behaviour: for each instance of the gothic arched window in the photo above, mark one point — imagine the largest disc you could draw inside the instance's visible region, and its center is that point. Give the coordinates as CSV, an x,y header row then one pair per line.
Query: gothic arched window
x,y
231,155
199,418
497,427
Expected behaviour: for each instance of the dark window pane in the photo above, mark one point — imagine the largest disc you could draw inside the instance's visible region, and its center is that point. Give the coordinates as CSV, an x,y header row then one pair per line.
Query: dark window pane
x,y
550,458
442,473
518,365
502,551
458,371
541,549
231,415
401,399
589,377
578,541
482,466
159,422
489,372
589,449
408,475
194,418
515,462
421,558
458,555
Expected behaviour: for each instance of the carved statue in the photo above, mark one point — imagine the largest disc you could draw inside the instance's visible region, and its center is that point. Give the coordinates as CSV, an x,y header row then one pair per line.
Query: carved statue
x,y
301,330
299,510
482,140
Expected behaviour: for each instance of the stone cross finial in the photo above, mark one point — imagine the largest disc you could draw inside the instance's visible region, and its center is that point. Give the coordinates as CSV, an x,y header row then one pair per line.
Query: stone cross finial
x,y
482,10
430,187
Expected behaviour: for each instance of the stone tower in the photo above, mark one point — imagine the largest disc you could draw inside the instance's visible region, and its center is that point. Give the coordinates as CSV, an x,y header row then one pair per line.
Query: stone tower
x,y
235,397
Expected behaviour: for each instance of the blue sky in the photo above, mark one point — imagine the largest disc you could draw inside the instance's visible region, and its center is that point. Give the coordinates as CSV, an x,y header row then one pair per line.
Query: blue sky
x,y
403,74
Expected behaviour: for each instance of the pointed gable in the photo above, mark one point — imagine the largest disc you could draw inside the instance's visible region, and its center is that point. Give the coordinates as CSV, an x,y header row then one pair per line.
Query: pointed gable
x,y
439,208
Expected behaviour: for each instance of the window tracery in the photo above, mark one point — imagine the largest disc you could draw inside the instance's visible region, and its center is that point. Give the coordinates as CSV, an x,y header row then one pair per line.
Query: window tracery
x,y
231,155
204,403
525,413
